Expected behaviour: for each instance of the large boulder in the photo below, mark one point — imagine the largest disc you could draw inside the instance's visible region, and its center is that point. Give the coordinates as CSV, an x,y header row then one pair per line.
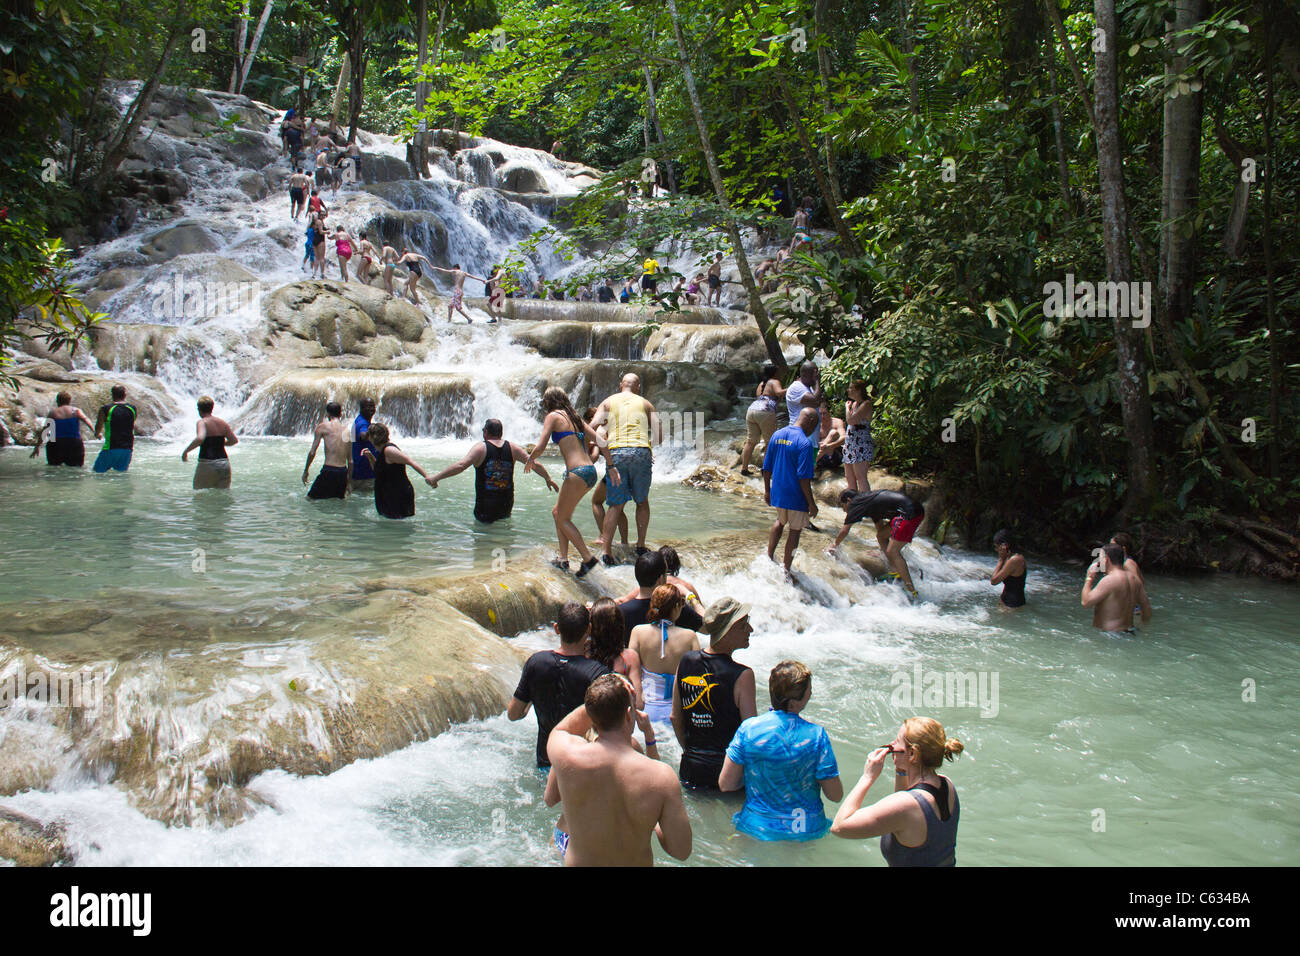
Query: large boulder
x,y
130,347
340,314
183,238
183,733
383,168
521,177
40,382
419,229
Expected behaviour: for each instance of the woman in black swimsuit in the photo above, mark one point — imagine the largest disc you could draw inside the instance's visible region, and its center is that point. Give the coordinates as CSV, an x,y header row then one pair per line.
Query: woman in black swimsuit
x,y
394,496
1011,570
413,271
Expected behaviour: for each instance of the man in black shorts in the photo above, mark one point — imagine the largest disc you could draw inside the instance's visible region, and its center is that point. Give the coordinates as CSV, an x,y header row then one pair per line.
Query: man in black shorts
x,y
715,281
713,694
332,482
557,681
896,517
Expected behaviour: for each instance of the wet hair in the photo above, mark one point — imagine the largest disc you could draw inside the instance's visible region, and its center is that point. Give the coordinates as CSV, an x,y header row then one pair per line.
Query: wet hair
x,y
1114,554
377,434
1123,539
787,683
555,399
649,569
607,701
334,410
118,392
492,428
928,737
1005,537
672,562
206,404
63,398
665,602
607,637
573,621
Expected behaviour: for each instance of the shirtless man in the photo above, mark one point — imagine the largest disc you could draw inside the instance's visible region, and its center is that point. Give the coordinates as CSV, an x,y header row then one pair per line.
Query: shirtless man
x,y
1116,596
332,482
715,280
1131,566
614,797
299,185
322,169
389,258
458,276
413,271
366,249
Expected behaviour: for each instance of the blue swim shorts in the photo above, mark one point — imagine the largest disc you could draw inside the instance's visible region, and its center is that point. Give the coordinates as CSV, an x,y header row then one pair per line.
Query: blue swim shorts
x,y
634,465
119,459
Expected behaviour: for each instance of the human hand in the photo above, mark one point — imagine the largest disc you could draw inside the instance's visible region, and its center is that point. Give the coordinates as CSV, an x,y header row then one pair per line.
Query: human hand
x,y
552,485
876,762
184,454
431,483
304,476
615,479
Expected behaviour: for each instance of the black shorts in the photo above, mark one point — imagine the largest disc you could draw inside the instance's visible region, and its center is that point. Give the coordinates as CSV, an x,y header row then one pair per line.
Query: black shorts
x,y
295,194
332,482
66,451
715,282
699,773
322,176
649,282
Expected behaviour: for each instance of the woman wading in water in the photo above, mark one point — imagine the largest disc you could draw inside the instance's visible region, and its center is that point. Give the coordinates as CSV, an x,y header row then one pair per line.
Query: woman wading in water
x,y
660,647
394,496
563,425
212,435
917,823
607,643
1011,570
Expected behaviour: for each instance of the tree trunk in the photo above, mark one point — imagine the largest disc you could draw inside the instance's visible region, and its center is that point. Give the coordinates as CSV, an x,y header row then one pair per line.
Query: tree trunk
x,y
1080,84
842,230
756,307
119,144
1058,122
1274,348
1134,399
239,49
419,158
824,68
653,117
1181,176
252,51
907,43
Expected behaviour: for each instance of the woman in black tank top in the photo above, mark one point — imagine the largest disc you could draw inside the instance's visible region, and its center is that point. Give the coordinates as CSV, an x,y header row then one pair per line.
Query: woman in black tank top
x,y
394,496
1011,571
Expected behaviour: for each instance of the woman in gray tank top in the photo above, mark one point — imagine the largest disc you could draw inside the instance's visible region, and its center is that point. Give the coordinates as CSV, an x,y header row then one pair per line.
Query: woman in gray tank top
x,y
917,823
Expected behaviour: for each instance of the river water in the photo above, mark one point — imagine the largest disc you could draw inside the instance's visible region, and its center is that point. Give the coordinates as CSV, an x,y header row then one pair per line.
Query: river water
x,y
1082,749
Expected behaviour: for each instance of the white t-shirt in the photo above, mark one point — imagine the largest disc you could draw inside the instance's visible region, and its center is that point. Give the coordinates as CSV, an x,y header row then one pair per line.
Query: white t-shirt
x,y
793,399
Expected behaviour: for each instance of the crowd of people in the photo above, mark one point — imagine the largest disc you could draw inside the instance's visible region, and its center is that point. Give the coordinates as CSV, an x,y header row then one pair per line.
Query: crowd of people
x,y
598,689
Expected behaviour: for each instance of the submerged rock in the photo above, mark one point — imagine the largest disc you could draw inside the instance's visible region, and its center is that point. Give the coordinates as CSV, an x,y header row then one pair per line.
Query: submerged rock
x,y
184,729
27,842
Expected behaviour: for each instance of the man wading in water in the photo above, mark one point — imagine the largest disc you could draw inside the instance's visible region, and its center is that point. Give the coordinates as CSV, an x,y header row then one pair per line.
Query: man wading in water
x,y
615,798
458,276
630,421
1116,595
332,482
494,473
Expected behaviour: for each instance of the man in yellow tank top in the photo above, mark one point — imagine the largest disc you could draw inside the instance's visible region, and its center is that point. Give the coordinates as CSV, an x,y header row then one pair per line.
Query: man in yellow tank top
x,y
630,422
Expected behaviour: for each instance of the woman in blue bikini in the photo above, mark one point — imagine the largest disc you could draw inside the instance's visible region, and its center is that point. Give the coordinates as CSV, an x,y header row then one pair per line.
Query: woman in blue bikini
x,y
660,647
565,426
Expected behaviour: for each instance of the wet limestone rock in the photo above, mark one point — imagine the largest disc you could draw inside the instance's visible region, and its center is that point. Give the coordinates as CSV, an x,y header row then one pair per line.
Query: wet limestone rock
x,y
40,382
27,842
344,318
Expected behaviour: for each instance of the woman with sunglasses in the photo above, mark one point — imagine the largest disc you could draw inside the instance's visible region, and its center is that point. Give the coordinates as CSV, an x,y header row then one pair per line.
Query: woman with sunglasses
x,y
917,823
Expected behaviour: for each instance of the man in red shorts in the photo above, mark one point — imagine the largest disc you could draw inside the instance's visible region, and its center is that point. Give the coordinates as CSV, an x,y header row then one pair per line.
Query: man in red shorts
x,y
896,516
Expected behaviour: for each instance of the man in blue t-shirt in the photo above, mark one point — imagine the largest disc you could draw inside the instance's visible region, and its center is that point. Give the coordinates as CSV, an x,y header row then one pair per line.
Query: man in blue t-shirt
x,y
361,476
788,468
785,764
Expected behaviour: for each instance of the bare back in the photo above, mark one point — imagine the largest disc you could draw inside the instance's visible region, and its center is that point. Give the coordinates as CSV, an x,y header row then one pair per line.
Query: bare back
x,y
613,797
334,438
1115,612
647,641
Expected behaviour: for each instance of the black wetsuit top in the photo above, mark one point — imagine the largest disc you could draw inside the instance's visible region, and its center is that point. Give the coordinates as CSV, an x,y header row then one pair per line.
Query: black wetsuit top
x,y
707,686
881,506
555,684
1013,590
494,483
119,422
394,496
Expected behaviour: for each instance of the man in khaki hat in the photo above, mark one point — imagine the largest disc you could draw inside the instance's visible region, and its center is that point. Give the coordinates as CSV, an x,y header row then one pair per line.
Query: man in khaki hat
x,y
713,694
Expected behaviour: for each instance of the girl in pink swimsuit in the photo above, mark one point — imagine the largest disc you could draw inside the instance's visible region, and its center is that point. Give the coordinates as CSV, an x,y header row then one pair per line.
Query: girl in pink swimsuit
x,y
343,246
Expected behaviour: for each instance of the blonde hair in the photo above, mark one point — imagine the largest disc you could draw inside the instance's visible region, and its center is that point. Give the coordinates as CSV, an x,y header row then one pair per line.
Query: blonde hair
x,y
665,602
928,737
